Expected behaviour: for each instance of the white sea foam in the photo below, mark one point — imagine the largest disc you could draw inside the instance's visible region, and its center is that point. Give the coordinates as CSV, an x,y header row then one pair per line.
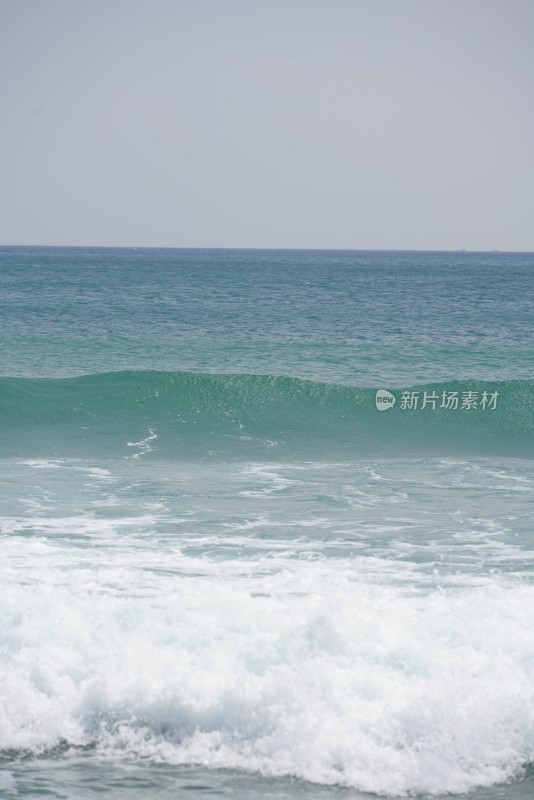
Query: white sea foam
x,y
326,625
310,669
144,444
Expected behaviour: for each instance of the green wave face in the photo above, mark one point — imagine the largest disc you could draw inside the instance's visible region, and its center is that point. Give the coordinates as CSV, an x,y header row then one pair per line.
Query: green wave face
x,y
195,414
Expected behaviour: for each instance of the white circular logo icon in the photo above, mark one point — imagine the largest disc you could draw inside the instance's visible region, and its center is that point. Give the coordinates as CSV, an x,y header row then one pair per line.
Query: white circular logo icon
x,y
384,400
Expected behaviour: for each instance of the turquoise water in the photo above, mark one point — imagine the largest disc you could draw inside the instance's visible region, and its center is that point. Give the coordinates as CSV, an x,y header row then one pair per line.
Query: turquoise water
x,y
223,569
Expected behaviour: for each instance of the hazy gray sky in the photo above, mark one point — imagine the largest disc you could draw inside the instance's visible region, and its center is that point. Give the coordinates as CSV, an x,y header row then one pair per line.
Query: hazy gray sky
x,y
268,123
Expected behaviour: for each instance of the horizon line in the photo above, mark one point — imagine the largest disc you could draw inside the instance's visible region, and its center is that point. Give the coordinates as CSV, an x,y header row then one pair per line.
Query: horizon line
x,y
274,249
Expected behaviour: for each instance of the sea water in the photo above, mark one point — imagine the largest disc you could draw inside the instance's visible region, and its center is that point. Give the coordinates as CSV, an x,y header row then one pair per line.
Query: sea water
x,y
226,568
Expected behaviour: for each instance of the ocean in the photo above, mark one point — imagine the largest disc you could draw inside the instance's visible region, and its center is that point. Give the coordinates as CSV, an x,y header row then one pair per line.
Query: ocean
x,y
266,524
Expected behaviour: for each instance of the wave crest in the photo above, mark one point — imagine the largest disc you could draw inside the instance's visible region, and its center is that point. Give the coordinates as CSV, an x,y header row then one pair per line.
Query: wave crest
x,y
194,408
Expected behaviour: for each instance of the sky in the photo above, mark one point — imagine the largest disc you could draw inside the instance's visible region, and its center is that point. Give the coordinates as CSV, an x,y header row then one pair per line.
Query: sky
x,y
350,124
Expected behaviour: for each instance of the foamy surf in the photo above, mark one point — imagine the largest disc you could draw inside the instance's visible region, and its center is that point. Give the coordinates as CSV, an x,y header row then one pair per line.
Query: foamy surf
x,y
305,669
352,646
